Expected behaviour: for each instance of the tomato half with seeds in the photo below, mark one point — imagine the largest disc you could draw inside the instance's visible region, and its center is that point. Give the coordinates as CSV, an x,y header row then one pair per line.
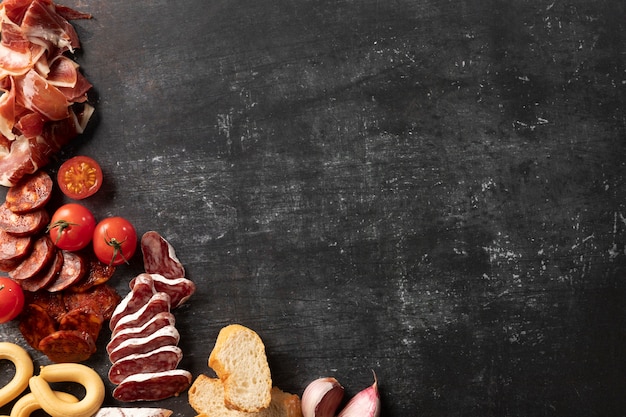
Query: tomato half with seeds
x,y
71,227
114,241
11,299
79,177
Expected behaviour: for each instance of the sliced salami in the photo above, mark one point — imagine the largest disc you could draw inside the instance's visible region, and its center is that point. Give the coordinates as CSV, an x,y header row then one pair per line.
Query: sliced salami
x,y
68,346
30,193
133,412
39,258
73,269
159,256
166,336
13,250
135,299
164,358
179,289
24,224
159,303
36,324
46,277
157,322
153,386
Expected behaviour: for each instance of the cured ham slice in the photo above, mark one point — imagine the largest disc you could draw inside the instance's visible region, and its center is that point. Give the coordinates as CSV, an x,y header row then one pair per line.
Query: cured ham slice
x,y
42,93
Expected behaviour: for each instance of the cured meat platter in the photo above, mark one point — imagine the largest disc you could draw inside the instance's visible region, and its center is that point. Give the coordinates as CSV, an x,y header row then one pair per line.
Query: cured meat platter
x,y
432,191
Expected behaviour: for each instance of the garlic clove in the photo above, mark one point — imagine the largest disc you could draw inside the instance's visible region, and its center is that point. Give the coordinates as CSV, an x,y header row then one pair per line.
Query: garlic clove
x,y
366,403
321,398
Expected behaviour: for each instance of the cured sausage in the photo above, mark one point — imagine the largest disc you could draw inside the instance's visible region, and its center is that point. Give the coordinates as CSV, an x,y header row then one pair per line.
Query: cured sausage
x,y
32,192
13,250
35,324
101,299
179,289
153,386
166,336
139,295
74,268
52,303
164,358
83,321
40,257
44,278
159,303
24,224
68,346
159,256
157,322
97,273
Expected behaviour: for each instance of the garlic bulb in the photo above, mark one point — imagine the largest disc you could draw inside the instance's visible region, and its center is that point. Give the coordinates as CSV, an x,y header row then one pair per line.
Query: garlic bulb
x,y
321,398
364,404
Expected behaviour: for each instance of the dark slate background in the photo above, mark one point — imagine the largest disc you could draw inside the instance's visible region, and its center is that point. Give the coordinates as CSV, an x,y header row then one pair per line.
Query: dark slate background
x,y
433,190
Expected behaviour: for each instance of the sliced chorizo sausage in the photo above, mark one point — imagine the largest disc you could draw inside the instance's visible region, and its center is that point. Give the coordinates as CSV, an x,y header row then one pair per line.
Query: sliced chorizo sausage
x,y
32,192
24,224
13,250
40,257
73,269
36,324
101,299
46,277
84,321
68,346
97,273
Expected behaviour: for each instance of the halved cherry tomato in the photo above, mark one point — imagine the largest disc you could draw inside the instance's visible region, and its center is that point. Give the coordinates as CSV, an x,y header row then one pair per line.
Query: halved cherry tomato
x,y
114,241
11,299
71,227
79,177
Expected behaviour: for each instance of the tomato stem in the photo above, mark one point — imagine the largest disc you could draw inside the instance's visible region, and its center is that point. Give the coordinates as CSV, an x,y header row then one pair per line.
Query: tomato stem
x,y
62,225
117,249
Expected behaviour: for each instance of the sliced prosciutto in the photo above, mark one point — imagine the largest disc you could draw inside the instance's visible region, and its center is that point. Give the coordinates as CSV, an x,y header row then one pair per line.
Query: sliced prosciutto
x,y
43,95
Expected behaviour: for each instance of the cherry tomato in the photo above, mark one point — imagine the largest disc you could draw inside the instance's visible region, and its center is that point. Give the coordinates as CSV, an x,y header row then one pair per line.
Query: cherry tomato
x,y
114,241
79,177
71,227
11,299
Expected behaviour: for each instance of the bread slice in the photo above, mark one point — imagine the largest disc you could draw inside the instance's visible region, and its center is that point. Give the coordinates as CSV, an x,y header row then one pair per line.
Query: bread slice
x,y
239,361
206,397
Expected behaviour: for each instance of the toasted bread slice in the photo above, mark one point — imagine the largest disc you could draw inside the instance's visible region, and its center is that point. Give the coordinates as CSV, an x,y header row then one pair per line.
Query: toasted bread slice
x,y
206,397
239,361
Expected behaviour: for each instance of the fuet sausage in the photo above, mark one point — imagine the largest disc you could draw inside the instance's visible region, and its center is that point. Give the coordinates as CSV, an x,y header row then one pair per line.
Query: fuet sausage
x,y
160,302
166,336
164,358
32,192
153,386
179,289
159,256
139,295
157,322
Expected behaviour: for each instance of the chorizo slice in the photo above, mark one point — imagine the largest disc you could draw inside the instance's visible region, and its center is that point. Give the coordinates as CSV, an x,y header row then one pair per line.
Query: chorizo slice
x,y
166,336
35,325
46,277
74,268
83,321
153,386
157,322
135,299
68,346
40,257
101,299
31,193
97,273
13,250
23,224
159,303
53,303
164,358
159,256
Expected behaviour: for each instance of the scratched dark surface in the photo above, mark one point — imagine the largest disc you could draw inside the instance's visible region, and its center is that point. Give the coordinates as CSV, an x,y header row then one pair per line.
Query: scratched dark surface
x,y
433,190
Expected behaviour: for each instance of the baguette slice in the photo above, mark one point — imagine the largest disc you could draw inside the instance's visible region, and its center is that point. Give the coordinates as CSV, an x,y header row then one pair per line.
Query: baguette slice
x,y
206,397
239,361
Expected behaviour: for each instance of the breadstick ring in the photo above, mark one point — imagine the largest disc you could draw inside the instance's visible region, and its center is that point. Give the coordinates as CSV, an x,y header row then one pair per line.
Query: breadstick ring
x,y
28,403
68,372
23,371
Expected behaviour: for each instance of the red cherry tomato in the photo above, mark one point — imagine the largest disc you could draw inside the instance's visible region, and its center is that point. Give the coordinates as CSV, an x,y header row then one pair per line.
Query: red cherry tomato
x,y
79,177
71,227
114,241
11,299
